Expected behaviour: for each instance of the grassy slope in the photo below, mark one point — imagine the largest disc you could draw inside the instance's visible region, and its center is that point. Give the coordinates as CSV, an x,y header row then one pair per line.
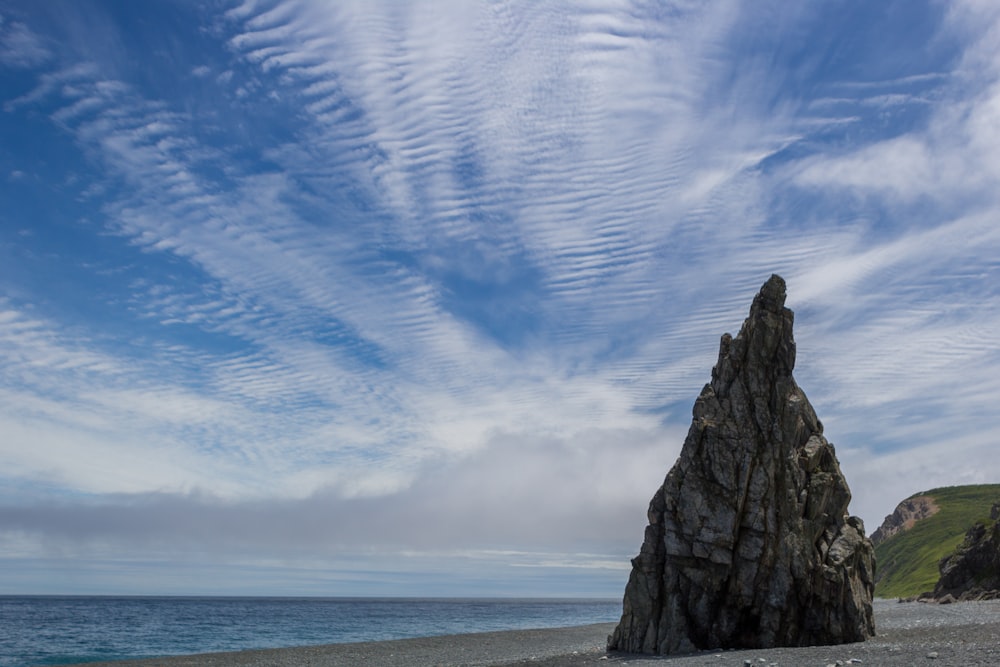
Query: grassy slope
x,y
907,563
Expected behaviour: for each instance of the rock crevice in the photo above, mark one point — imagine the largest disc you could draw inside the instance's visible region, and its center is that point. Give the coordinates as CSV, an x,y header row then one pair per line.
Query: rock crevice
x,y
749,543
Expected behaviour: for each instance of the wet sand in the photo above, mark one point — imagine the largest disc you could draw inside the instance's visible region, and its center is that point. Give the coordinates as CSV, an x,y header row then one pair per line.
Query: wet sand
x,y
966,634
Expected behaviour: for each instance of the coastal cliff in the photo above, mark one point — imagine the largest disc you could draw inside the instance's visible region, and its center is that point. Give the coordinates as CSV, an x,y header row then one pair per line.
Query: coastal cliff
x,y
904,517
923,530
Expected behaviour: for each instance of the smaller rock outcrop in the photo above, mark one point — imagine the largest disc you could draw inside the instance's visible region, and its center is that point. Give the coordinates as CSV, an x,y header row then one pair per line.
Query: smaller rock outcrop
x,y
973,571
906,514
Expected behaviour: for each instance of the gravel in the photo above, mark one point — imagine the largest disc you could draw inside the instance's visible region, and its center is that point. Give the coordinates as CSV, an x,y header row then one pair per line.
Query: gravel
x,y
963,634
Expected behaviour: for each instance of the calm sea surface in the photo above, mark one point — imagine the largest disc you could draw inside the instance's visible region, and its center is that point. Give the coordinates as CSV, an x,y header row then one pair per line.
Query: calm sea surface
x,y
44,630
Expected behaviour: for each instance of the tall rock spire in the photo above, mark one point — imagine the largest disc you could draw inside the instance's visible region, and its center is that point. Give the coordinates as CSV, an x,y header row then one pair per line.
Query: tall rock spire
x,y
749,543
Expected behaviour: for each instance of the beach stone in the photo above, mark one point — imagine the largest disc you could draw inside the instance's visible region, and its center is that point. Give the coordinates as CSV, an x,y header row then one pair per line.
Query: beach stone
x,y
749,544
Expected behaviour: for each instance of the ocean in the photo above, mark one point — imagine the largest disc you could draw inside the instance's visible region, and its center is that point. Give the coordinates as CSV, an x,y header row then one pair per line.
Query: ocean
x,y
48,630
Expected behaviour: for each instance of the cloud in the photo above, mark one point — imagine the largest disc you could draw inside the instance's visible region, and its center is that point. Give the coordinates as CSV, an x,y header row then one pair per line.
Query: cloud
x,y
567,511
144,144
20,47
949,159
472,504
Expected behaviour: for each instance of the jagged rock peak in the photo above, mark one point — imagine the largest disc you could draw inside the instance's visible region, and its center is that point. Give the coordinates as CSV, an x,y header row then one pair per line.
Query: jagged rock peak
x,y
772,295
749,543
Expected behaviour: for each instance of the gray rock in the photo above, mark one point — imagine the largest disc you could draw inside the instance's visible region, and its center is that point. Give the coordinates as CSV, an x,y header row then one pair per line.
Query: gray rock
x,y
749,544
972,572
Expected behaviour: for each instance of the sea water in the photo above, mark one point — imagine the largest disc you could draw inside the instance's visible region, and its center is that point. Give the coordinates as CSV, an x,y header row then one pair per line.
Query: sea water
x,y
47,630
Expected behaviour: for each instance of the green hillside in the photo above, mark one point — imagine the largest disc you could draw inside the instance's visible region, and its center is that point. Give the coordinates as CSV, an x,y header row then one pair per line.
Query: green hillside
x,y
907,563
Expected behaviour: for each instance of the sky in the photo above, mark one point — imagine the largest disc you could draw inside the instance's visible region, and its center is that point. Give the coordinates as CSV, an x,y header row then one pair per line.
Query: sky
x,y
302,297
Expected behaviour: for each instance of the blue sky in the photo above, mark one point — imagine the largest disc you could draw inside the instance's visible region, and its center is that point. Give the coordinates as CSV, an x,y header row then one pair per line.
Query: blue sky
x,y
414,298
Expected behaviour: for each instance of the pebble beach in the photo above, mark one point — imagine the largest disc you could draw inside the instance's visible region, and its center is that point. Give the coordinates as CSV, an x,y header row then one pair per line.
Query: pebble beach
x,y
960,634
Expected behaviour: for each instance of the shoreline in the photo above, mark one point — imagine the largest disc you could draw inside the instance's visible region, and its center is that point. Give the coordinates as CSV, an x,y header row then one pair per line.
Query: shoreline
x,y
501,647
965,633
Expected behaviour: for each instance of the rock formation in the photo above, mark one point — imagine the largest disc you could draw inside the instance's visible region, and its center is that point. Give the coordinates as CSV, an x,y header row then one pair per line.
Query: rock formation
x,y
973,571
748,542
906,514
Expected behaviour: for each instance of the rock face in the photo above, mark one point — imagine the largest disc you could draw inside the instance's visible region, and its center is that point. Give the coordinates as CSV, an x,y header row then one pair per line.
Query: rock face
x,y
973,571
906,514
748,543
